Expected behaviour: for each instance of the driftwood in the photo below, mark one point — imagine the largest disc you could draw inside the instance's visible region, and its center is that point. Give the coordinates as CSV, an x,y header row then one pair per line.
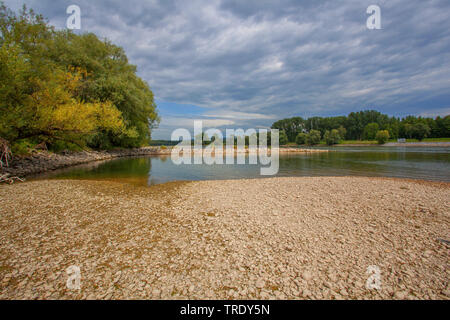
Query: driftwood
x,y
41,146
5,153
5,157
6,178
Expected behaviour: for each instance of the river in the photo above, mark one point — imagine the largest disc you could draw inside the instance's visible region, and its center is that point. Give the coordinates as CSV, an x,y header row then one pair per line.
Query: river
x,y
400,162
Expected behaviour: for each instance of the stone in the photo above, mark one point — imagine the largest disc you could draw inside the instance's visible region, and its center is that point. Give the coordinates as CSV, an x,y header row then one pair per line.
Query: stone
x,y
260,283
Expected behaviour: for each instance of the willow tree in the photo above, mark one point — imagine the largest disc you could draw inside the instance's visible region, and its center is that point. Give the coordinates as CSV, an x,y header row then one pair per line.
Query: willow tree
x,y
58,86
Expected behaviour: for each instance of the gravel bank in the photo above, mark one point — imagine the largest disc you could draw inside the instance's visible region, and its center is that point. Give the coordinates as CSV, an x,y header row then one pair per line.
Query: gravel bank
x,y
281,238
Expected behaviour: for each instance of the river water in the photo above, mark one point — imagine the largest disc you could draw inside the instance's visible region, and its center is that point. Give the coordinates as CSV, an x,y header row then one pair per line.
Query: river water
x,y
401,162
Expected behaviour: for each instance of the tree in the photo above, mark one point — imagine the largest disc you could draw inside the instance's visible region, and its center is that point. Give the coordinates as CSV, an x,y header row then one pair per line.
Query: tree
x,y
382,136
291,127
313,137
420,131
52,113
56,86
366,124
301,138
370,131
342,132
283,138
332,137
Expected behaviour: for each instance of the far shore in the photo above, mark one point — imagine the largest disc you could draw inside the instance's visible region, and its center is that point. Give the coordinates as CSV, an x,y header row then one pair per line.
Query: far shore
x,y
389,144
274,238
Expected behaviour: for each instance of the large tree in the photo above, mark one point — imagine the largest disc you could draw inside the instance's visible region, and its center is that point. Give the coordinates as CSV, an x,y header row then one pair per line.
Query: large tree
x,y
58,86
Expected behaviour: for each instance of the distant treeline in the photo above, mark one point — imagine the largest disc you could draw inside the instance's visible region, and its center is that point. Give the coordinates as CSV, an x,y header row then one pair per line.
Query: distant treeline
x,y
68,90
364,125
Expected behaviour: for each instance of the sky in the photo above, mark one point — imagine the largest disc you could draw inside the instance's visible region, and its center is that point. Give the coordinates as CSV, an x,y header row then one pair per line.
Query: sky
x,y
247,63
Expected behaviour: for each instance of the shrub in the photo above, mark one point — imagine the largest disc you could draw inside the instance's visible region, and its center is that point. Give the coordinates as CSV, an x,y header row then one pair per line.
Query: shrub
x,y
332,137
382,136
301,138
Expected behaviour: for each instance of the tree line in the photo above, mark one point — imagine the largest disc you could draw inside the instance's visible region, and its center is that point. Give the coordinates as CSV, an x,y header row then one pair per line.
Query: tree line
x,y
66,90
362,125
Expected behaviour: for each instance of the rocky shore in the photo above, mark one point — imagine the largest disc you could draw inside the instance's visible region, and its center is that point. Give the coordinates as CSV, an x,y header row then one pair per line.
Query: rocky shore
x,y
43,161
275,238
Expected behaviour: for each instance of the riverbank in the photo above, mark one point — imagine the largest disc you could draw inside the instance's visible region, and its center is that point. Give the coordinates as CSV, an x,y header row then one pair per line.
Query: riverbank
x,y
43,161
418,144
396,144
282,238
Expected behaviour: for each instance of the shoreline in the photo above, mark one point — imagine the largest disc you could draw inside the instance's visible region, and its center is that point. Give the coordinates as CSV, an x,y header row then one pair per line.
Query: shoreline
x,y
274,238
397,144
44,161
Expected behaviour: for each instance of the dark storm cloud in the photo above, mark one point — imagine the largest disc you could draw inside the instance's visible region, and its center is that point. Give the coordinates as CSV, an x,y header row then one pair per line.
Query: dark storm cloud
x,y
252,62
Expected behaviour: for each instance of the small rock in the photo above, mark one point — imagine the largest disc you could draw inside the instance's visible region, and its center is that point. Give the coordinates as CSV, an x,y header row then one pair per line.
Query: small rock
x,y
307,275
260,284
401,295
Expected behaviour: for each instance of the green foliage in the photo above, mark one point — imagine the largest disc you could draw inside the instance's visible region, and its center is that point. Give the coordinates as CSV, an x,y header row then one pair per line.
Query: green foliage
x,y
68,90
291,127
382,136
365,125
332,137
22,147
370,131
301,138
283,138
342,132
420,131
313,137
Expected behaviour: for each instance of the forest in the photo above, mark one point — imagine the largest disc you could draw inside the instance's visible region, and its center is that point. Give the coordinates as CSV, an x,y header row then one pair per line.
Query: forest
x,y
362,125
63,90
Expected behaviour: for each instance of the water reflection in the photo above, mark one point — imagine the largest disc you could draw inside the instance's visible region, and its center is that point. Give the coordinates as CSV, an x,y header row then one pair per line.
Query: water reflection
x,y
415,163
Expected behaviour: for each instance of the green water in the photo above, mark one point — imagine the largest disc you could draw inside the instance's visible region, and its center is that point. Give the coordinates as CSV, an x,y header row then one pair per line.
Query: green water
x,y
401,162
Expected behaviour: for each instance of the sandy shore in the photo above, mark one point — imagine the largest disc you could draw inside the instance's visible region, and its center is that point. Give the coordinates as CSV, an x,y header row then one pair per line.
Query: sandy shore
x,y
281,238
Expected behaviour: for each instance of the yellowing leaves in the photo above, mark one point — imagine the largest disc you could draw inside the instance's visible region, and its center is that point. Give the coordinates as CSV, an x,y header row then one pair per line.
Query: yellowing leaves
x,y
65,89
58,114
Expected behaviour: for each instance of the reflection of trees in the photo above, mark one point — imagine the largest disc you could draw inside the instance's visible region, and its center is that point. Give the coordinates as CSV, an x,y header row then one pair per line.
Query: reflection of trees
x,y
164,158
117,168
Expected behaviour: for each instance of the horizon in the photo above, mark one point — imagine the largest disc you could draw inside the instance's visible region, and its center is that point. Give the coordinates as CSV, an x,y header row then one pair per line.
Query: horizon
x,y
247,65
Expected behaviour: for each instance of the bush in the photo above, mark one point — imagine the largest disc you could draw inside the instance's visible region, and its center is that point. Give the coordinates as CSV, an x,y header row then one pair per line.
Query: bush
x,y
382,136
163,147
301,138
332,137
313,137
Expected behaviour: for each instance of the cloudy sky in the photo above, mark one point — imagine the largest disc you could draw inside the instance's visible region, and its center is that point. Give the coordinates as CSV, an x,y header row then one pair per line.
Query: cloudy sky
x,y
247,63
